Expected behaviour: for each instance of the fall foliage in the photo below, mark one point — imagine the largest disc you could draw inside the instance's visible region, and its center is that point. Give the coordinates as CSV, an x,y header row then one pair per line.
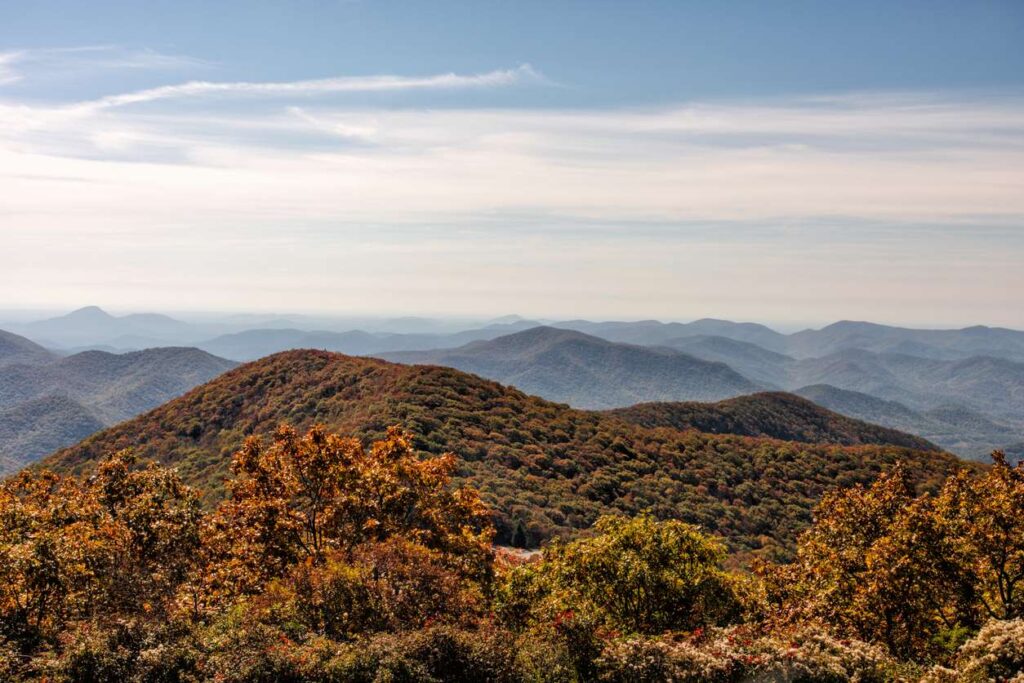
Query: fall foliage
x,y
335,560
543,468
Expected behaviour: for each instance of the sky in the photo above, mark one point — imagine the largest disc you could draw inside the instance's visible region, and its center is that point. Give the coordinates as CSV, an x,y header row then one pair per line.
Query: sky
x,y
778,161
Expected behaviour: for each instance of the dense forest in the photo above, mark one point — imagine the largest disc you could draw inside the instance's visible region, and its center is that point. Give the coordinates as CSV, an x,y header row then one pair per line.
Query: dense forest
x,y
778,415
332,559
544,469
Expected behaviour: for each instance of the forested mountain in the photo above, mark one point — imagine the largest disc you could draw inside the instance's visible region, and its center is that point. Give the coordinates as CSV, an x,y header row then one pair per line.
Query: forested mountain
x,y
776,415
48,402
956,429
16,349
35,427
548,467
589,372
969,405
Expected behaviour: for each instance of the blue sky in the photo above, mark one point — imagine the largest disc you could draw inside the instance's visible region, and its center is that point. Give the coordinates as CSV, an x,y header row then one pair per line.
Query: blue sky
x,y
776,161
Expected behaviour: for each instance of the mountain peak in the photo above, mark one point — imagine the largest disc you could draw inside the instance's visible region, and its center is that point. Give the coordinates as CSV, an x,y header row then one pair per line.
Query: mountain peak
x,y
89,313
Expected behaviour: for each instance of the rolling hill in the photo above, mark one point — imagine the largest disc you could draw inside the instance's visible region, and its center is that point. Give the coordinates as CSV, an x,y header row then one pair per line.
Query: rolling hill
x,y
776,415
586,371
757,363
954,428
550,466
17,349
48,402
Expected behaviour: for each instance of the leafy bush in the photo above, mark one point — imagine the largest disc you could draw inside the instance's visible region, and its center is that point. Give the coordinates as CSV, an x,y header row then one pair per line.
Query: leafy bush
x,y
639,575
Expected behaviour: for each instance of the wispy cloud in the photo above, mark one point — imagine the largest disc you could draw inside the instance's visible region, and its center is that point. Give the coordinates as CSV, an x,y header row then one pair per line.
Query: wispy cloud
x,y
349,84
17,65
8,60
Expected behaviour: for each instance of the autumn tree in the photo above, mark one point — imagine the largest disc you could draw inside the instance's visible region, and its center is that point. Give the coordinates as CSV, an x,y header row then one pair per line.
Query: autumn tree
x,y
916,573
114,546
878,565
985,515
304,498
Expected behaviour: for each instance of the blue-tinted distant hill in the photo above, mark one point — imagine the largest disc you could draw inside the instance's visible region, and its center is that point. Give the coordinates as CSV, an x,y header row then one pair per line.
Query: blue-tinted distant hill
x,y
253,344
49,401
586,371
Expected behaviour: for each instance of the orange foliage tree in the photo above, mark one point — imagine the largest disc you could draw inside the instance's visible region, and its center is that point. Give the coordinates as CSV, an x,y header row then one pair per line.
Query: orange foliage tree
x,y
303,499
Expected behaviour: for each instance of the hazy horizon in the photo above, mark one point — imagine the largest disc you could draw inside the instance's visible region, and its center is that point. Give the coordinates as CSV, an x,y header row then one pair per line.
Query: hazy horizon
x,y
27,315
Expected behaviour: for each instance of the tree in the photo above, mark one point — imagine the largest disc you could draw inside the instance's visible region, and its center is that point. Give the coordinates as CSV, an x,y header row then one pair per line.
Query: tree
x,y
986,516
116,545
519,538
305,497
881,565
639,574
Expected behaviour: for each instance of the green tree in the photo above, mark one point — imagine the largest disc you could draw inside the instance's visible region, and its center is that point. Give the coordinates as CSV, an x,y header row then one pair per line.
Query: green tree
x,y
638,574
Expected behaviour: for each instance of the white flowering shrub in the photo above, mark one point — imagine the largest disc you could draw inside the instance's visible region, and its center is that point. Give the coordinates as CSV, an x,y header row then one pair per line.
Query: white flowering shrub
x,y
995,654
742,655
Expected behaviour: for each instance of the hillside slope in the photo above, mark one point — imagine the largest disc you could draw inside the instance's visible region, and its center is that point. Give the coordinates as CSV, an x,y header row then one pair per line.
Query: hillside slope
x,y
34,428
776,415
55,402
17,349
551,466
588,372
955,429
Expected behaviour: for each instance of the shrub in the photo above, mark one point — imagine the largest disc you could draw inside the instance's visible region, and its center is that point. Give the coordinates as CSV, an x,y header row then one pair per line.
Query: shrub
x,y
638,575
744,654
995,654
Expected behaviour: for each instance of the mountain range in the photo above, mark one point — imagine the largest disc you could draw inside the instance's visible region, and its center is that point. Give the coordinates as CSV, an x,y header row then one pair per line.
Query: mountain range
x,y
49,401
969,406
547,466
961,389
586,371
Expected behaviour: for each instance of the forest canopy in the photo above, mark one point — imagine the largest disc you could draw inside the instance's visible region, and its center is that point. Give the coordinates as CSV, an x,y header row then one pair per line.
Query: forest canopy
x,y
331,560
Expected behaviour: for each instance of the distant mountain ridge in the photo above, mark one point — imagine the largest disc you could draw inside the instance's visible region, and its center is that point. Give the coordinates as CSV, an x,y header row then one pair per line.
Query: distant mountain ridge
x,y
956,429
49,402
91,324
844,335
254,344
590,372
586,371
974,373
